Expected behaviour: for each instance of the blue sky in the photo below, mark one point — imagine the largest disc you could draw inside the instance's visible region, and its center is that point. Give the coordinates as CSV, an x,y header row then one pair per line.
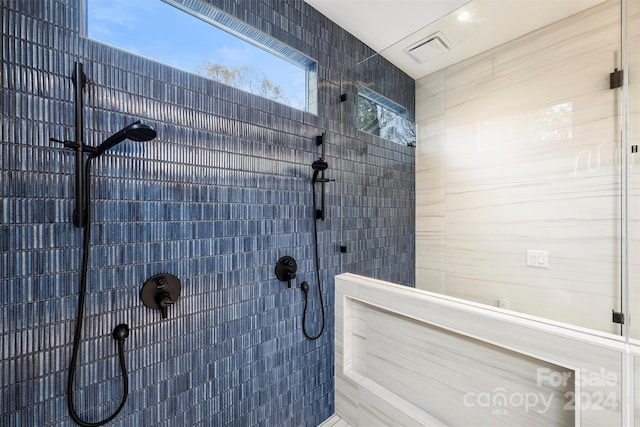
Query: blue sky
x,y
154,29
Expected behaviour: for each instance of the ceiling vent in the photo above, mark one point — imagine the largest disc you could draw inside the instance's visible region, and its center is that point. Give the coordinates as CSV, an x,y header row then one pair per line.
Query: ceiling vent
x,y
428,48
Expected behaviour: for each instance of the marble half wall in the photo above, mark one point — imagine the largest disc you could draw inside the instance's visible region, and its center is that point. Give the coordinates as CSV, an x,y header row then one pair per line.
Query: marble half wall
x,y
407,357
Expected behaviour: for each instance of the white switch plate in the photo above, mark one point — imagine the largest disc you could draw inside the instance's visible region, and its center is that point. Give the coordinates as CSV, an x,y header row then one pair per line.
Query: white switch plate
x,y
537,259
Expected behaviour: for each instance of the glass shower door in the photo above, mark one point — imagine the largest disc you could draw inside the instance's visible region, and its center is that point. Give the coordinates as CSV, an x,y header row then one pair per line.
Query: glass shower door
x,y
519,174
527,177
630,106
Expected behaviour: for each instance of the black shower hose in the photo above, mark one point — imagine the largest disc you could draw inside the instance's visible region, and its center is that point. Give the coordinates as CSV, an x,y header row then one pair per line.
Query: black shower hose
x,y
306,288
120,332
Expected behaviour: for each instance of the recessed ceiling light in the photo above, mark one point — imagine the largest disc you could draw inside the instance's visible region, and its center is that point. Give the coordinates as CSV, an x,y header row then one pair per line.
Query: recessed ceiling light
x,y
464,16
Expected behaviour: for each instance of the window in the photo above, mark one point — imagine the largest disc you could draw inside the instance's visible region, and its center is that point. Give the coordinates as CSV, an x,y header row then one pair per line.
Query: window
x,y
196,37
379,116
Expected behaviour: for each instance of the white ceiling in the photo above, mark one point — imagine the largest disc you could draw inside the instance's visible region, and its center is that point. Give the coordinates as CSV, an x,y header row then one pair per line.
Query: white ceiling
x,y
391,27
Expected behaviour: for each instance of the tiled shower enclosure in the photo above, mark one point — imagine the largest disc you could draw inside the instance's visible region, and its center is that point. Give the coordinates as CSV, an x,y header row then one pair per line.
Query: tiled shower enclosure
x,y
216,199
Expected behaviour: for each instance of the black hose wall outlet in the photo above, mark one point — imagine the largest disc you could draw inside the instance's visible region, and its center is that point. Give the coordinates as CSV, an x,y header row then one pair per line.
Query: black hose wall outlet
x,y
160,291
286,268
304,286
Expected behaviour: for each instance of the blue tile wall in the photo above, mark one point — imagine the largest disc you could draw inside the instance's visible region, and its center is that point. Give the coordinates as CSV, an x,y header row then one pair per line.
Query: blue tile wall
x,y
216,199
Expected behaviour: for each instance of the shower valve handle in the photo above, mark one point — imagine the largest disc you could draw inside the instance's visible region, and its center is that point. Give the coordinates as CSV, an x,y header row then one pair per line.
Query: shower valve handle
x,y
286,268
161,291
163,300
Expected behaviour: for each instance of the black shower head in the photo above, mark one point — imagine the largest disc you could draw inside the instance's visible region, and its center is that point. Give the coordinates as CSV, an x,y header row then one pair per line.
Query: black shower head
x,y
136,131
318,166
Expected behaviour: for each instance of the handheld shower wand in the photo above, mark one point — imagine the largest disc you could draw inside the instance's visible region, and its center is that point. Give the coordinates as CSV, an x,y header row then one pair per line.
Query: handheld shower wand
x,y
318,166
136,132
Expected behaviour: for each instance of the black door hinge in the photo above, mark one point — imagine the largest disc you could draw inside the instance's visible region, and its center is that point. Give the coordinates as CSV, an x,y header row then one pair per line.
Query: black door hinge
x,y
634,148
616,79
617,317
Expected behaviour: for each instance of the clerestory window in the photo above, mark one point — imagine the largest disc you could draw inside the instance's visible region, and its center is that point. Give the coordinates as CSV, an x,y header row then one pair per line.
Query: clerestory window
x,y
195,36
378,115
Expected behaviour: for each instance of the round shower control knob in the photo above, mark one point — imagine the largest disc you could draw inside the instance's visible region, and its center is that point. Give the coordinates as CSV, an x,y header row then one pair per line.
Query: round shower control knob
x,y
286,268
160,291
